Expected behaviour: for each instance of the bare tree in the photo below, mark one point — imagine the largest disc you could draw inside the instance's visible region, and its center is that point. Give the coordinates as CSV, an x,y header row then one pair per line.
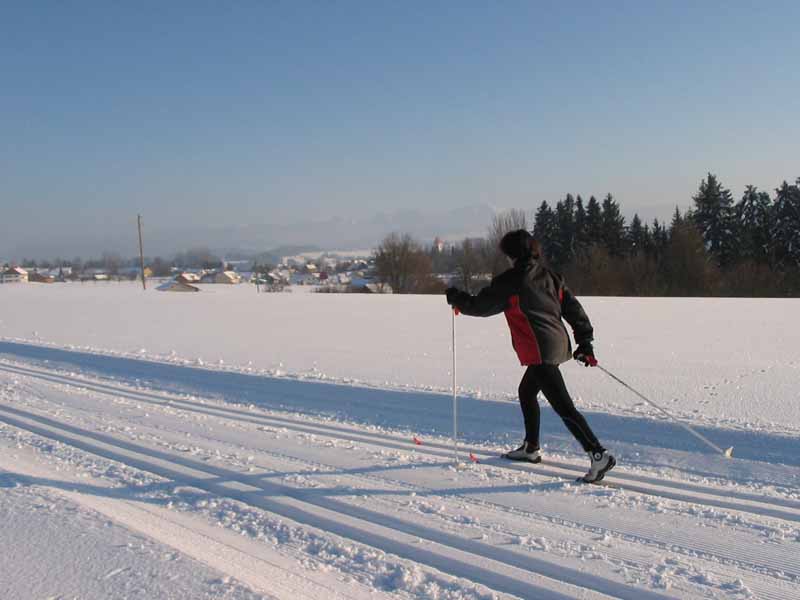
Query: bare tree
x,y
160,267
470,263
401,262
502,223
111,263
688,264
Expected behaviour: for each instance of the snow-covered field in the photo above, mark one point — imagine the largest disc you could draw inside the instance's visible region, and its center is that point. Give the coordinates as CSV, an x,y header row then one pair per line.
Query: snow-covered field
x,y
230,444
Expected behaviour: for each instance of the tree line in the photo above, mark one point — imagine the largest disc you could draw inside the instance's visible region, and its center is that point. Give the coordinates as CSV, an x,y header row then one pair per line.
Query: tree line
x,y
719,247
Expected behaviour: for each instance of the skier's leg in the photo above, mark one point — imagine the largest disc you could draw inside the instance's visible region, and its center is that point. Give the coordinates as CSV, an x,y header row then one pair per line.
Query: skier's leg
x,y
555,391
528,391
552,385
529,450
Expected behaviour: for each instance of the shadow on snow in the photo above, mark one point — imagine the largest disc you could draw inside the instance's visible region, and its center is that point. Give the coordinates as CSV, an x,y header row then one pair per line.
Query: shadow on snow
x,y
480,421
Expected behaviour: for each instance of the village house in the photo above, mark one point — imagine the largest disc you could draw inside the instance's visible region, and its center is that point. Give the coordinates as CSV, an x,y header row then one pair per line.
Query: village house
x,y
57,273
270,282
37,277
298,278
135,272
14,275
177,285
94,275
188,277
329,264
223,277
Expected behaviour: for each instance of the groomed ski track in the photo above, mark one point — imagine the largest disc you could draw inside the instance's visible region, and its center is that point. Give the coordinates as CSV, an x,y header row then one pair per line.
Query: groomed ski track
x,y
665,488
513,530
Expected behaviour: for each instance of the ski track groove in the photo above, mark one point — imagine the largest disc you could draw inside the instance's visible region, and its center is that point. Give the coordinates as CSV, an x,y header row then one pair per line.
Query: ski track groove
x,y
682,545
776,507
472,560
693,551
562,469
688,546
226,549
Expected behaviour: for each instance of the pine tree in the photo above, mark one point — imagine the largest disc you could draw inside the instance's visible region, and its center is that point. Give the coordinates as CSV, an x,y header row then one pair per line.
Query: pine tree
x,y
581,226
648,245
544,228
660,237
754,218
564,244
786,225
714,217
612,227
594,221
637,236
677,221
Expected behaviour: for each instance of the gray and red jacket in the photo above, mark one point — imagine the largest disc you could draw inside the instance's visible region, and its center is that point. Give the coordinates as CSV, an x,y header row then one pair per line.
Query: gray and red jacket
x,y
534,300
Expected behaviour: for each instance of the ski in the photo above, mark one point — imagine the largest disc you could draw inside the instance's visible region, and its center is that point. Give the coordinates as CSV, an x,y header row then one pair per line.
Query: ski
x,y
533,461
508,463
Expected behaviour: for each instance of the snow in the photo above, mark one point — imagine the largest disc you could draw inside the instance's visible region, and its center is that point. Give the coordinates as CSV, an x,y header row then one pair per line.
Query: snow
x,y
233,444
56,548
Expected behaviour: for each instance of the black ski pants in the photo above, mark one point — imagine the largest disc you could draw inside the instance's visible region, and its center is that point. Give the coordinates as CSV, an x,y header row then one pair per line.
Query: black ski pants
x,y
548,380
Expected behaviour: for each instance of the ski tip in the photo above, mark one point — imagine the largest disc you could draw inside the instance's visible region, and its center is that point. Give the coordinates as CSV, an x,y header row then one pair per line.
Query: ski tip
x,y
728,452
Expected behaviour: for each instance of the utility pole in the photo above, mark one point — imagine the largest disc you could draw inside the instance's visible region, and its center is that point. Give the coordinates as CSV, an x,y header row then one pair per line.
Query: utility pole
x,y
141,252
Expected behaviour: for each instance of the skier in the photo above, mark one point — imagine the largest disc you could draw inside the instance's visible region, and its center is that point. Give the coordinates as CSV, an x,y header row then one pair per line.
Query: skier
x,y
534,300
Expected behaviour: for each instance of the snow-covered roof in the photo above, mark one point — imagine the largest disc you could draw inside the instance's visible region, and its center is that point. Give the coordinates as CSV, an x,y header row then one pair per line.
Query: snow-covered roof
x,y
176,285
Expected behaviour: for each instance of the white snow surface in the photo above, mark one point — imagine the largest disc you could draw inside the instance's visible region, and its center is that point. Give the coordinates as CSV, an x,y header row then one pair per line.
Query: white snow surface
x,y
230,444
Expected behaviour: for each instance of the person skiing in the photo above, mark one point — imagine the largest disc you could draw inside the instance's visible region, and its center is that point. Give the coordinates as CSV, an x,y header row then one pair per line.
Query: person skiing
x,y
535,299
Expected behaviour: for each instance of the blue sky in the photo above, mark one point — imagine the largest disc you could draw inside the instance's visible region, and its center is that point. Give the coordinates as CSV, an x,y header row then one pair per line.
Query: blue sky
x,y
273,112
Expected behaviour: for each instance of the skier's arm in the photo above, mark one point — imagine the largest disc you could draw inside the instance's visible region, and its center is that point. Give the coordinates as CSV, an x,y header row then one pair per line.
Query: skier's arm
x,y
491,300
573,313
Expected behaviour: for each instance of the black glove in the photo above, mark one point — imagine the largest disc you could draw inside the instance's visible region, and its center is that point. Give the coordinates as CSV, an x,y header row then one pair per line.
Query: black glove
x,y
585,354
452,294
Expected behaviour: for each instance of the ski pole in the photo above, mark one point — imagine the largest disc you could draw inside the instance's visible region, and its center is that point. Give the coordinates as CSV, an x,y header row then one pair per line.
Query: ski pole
x,y
455,401
727,453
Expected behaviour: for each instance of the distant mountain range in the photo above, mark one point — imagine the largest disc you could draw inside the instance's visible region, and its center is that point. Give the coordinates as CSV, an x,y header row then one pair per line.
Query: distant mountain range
x,y
338,233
